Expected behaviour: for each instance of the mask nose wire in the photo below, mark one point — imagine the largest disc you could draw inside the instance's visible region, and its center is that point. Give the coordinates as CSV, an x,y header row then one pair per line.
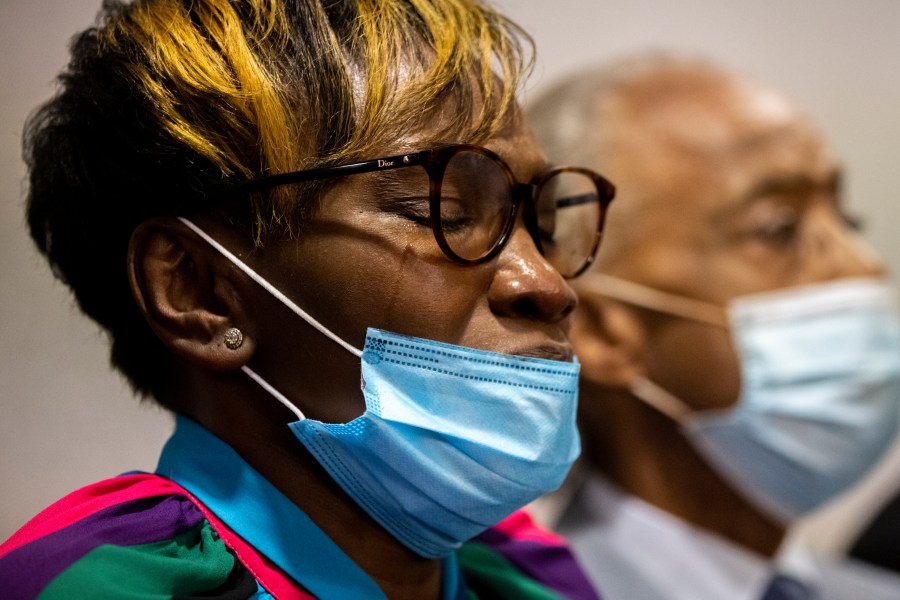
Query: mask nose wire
x,y
284,300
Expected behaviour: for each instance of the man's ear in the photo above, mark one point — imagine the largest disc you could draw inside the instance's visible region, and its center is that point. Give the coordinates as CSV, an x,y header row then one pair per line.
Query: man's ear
x,y
609,340
187,293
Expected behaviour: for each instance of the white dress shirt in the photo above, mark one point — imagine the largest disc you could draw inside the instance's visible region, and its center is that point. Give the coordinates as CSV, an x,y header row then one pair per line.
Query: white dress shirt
x,y
635,551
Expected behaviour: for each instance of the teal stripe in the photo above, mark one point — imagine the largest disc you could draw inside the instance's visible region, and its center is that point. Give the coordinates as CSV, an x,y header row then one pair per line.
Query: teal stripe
x,y
490,575
192,563
252,507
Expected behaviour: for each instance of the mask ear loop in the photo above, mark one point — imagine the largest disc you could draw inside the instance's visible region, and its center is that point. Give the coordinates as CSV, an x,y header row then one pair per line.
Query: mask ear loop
x,y
284,300
647,297
653,299
656,397
275,393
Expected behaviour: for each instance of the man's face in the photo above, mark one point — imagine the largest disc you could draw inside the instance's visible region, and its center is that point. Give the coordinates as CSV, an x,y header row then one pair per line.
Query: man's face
x,y
369,259
734,194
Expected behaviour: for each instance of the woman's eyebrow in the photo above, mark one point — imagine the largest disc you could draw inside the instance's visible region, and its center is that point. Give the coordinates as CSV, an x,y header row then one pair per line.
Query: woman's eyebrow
x,y
399,181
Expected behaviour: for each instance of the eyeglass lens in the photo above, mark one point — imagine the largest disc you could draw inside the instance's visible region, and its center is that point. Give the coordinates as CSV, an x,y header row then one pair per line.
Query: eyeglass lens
x,y
573,227
476,203
476,207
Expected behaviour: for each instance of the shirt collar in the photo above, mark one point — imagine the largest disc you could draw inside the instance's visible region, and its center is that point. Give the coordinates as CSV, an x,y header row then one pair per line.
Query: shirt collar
x,y
657,547
251,506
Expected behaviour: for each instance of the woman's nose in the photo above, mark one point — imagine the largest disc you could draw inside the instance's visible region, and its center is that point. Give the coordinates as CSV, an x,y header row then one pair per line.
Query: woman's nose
x,y
525,285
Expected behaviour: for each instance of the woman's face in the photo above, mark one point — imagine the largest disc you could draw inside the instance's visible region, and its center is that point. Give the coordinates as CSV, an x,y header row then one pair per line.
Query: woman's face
x,y
367,260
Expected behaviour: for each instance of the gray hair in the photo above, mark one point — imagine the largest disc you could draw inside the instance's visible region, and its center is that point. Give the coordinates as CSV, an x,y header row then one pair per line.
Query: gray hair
x,y
578,121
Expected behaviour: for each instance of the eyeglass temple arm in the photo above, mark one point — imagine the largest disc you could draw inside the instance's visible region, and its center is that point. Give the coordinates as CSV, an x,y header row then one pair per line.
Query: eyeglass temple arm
x,y
366,166
576,200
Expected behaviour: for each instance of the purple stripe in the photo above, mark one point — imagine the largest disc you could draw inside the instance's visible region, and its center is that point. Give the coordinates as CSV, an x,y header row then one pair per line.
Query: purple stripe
x,y
553,566
27,570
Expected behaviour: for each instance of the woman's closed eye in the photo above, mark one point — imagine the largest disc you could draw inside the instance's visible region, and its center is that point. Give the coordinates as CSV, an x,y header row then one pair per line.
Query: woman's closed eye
x,y
456,215
415,209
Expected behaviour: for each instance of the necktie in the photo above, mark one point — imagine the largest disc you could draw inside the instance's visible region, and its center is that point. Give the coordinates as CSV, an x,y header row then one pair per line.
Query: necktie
x,y
782,587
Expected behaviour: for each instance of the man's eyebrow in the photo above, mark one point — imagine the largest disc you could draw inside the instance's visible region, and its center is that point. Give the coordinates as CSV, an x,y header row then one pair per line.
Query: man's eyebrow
x,y
781,184
792,183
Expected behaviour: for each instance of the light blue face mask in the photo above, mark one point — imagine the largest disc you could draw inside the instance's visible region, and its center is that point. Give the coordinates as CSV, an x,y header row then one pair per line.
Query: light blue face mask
x,y
820,391
453,439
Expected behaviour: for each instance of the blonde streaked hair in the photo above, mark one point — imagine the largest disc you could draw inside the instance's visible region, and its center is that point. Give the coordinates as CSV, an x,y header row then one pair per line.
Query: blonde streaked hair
x,y
267,86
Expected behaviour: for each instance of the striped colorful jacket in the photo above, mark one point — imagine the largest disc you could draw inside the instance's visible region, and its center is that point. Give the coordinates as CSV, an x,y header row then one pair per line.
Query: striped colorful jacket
x,y
142,535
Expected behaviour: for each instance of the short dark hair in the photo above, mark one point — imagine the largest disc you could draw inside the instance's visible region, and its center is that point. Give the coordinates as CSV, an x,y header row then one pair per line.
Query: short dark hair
x,y
165,100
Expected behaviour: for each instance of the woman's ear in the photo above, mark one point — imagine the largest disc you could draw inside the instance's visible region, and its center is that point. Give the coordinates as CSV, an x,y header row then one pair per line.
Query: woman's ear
x,y
609,341
188,294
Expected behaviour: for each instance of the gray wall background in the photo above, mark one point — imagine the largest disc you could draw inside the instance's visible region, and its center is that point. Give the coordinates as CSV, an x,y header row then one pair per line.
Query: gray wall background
x,y
66,420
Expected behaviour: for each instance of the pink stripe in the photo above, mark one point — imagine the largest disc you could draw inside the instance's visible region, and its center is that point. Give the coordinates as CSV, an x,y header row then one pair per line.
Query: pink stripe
x,y
86,501
520,526
103,494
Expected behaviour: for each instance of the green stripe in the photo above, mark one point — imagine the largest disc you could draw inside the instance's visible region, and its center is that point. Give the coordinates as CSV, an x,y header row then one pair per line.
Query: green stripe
x,y
191,563
490,575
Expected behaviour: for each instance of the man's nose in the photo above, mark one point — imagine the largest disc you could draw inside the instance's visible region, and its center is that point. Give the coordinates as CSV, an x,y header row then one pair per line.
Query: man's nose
x,y
840,252
526,285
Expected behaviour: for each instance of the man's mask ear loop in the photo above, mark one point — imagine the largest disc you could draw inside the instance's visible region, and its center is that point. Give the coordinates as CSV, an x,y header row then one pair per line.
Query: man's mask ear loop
x,y
650,298
647,297
650,393
284,300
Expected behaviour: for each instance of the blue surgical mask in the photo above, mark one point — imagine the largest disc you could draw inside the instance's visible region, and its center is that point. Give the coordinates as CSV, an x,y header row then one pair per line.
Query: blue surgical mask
x,y
820,392
453,439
